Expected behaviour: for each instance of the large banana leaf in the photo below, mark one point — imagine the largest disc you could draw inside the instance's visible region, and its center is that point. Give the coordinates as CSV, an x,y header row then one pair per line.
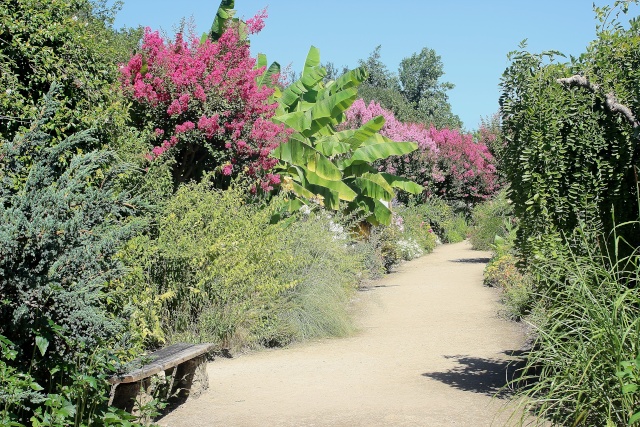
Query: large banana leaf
x,y
344,191
225,12
297,89
266,79
299,121
402,183
350,79
297,152
374,186
324,112
371,153
332,145
312,61
324,167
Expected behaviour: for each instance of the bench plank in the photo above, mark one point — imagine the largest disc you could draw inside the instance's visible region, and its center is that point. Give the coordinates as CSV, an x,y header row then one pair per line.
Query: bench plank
x,y
162,360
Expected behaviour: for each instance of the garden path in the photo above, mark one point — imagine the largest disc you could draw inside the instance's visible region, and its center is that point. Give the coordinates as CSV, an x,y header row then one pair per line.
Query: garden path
x,y
431,351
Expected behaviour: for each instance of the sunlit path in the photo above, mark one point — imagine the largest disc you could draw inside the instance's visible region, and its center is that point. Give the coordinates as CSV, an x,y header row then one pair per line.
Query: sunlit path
x,y
431,352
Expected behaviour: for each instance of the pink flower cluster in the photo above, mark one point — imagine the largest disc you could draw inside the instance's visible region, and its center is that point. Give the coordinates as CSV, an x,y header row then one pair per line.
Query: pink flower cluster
x,y
205,95
447,162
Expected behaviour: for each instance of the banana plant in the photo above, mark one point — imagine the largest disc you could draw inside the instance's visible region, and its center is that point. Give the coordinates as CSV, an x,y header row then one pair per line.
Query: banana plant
x,y
320,163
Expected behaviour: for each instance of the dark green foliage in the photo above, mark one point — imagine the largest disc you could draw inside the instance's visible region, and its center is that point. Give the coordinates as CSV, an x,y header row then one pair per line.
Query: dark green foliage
x,y
415,94
61,224
71,42
490,219
419,75
568,158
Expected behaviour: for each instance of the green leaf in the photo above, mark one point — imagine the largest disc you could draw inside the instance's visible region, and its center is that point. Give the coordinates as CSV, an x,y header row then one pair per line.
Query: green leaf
x,y
634,418
324,167
312,61
343,190
350,79
629,388
371,153
375,186
224,13
299,121
403,183
331,145
42,343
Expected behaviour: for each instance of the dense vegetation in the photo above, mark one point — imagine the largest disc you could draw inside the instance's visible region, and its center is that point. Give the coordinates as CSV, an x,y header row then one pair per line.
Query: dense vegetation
x,y
566,234
122,155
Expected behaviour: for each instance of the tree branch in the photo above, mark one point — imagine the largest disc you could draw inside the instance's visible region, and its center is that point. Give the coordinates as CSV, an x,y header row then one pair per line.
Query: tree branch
x,y
610,101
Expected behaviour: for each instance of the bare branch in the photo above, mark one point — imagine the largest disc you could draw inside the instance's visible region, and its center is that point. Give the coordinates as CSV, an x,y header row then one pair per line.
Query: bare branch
x,y
610,101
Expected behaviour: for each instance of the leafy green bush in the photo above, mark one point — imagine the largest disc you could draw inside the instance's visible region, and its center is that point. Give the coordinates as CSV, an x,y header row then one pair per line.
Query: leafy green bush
x,y
489,219
572,153
416,228
218,271
587,323
59,229
61,224
450,226
73,43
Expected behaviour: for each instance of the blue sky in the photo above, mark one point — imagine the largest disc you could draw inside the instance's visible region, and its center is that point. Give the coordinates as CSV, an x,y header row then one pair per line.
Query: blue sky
x,y
472,37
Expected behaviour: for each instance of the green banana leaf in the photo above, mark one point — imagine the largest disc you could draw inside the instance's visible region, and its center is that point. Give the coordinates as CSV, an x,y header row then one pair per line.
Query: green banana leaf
x,y
382,213
358,169
402,183
331,145
374,186
299,121
297,152
324,167
303,85
224,13
312,61
350,79
342,189
330,198
371,153
325,111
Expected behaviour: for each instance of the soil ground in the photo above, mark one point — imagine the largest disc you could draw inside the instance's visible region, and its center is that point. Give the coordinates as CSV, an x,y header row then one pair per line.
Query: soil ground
x,y
431,351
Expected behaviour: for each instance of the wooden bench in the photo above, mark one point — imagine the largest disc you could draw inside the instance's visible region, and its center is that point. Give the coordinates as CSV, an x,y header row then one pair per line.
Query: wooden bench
x,y
185,364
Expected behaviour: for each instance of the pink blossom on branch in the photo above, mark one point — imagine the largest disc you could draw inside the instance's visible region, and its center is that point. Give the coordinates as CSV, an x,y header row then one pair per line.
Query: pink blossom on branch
x,y
447,162
205,106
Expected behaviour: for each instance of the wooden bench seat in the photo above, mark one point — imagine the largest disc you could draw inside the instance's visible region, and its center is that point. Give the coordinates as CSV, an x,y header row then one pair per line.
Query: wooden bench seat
x,y
184,364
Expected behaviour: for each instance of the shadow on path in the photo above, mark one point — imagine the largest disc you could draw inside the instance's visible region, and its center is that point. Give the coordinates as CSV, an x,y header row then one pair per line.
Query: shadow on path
x,y
490,377
472,260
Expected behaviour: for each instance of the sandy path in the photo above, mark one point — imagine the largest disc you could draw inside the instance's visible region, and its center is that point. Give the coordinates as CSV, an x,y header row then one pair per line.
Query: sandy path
x,y
431,351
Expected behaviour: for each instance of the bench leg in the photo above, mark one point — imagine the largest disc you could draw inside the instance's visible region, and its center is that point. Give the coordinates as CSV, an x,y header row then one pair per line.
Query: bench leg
x,y
124,396
191,378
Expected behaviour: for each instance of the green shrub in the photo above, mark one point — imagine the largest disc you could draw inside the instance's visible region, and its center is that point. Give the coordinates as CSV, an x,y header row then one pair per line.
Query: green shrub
x,y
61,224
450,226
502,273
416,229
237,280
60,228
572,153
489,219
587,323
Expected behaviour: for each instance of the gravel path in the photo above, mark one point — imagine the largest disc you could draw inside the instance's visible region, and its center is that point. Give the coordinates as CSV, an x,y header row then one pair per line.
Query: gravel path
x,y
431,351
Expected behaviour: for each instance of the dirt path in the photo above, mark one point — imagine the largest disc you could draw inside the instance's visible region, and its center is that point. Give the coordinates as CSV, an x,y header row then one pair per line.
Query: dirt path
x,y
431,352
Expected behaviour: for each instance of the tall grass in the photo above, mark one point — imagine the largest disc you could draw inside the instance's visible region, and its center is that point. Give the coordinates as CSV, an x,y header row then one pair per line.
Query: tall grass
x,y
588,323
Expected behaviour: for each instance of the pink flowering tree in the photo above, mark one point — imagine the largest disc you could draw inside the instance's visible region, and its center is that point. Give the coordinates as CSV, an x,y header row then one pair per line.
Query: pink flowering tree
x,y
447,162
203,105
465,169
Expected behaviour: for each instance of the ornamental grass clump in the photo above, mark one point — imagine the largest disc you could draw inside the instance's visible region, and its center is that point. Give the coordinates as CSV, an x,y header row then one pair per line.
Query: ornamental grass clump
x,y
587,323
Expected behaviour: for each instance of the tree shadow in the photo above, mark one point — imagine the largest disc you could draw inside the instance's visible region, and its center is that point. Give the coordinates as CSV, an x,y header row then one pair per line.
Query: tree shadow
x,y
472,260
491,377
